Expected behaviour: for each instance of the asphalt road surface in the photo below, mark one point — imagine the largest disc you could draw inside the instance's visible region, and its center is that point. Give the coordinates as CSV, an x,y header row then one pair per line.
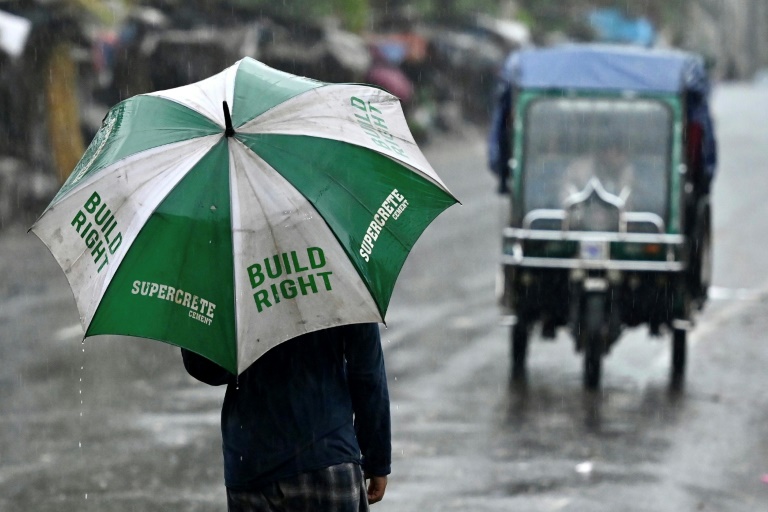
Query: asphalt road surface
x,y
115,424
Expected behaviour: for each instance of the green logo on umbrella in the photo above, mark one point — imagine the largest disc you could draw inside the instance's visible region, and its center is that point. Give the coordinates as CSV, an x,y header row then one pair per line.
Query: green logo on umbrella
x,y
372,123
392,207
95,227
200,309
285,264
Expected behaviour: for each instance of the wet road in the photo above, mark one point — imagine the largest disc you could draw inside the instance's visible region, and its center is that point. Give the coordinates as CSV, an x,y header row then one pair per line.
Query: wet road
x,y
115,424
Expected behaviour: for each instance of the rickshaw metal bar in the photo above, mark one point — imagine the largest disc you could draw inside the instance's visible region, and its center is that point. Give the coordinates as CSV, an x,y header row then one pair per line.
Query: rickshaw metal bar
x,y
574,263
542,214
649,217
540,234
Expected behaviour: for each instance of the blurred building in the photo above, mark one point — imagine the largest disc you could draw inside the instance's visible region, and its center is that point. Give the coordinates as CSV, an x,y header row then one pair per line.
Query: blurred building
x,y
733,33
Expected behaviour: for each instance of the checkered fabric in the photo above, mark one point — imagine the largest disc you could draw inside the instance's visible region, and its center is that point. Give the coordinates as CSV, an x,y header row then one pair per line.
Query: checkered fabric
x,y
339,488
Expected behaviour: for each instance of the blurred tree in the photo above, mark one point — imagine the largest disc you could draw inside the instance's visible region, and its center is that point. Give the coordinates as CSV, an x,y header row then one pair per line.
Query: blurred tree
x,y
449,11
353,13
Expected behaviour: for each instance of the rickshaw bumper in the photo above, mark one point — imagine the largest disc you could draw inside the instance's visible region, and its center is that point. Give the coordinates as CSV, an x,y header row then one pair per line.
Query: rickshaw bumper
x,y
546,275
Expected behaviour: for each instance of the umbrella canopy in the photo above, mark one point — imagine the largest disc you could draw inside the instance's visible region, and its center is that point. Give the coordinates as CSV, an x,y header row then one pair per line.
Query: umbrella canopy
x,y
228,233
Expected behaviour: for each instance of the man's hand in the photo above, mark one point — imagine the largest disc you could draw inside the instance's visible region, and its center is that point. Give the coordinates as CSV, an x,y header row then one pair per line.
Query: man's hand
x,y
376,488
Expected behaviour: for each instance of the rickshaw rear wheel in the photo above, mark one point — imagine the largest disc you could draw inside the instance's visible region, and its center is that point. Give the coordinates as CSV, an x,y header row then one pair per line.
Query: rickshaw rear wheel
x,y
593,358
518,344
704,264
592,341
679,353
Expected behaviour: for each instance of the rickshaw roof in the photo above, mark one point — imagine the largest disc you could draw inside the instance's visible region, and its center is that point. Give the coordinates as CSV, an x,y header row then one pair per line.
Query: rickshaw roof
x,y
607,67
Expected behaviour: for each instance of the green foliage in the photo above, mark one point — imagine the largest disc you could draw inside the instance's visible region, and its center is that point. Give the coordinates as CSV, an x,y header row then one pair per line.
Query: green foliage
x,y
352,13
449,10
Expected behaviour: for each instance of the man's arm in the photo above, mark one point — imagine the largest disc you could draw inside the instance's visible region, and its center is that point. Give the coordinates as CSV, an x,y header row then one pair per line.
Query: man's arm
x,y
370,401
204,369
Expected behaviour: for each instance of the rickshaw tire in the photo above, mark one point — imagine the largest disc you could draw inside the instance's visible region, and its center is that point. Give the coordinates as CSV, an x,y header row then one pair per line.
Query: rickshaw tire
x,y
593,358
705,264
701,270
593,341
518,350
679,355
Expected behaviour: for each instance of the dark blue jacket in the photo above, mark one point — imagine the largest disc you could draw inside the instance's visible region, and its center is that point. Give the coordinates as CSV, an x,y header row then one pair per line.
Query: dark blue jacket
x,y
292,410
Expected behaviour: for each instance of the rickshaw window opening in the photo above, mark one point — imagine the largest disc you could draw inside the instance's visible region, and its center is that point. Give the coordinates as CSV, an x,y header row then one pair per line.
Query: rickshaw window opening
x,y
624,143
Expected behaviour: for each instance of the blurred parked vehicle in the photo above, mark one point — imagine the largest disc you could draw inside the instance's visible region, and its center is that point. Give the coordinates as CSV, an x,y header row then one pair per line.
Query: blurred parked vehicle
x,y
157,49
161,49
45,80
40,84
452,68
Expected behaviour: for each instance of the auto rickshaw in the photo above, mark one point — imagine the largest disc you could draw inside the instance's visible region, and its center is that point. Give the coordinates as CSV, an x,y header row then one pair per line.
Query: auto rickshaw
x,y
607,153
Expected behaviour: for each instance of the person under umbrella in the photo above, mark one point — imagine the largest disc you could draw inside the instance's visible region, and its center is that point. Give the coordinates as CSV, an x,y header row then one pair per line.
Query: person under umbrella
x,y
289,439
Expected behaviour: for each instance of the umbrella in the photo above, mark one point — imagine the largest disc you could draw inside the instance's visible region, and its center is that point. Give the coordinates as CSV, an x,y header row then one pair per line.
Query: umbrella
x,y
228,231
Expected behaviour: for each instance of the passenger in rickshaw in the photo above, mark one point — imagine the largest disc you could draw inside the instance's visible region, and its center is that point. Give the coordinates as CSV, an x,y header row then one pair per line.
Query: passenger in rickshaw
x,y
609,164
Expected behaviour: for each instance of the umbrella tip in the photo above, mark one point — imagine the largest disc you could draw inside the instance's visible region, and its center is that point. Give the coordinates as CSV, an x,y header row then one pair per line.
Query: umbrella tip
x,y
228,130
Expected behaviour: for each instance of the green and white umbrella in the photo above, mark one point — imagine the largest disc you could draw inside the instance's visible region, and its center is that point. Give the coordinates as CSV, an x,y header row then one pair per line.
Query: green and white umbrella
x,y
228,234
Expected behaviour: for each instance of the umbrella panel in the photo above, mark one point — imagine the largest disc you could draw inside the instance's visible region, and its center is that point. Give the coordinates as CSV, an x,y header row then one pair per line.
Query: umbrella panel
x,y
175,282
135,125
376,207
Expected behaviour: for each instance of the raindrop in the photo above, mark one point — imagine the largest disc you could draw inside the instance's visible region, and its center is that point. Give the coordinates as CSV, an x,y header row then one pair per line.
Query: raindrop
x,y
584,468
213,207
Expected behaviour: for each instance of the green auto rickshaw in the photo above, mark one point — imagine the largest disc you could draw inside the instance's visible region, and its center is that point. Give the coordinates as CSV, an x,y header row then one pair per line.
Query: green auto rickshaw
x,y
608,155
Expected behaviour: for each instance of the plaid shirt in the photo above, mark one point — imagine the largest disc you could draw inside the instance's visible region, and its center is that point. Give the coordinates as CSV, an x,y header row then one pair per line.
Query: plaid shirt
x,y
339,488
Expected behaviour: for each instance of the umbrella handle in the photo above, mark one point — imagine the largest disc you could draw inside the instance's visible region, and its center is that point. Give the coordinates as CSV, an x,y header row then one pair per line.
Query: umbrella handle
x,y
229,130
